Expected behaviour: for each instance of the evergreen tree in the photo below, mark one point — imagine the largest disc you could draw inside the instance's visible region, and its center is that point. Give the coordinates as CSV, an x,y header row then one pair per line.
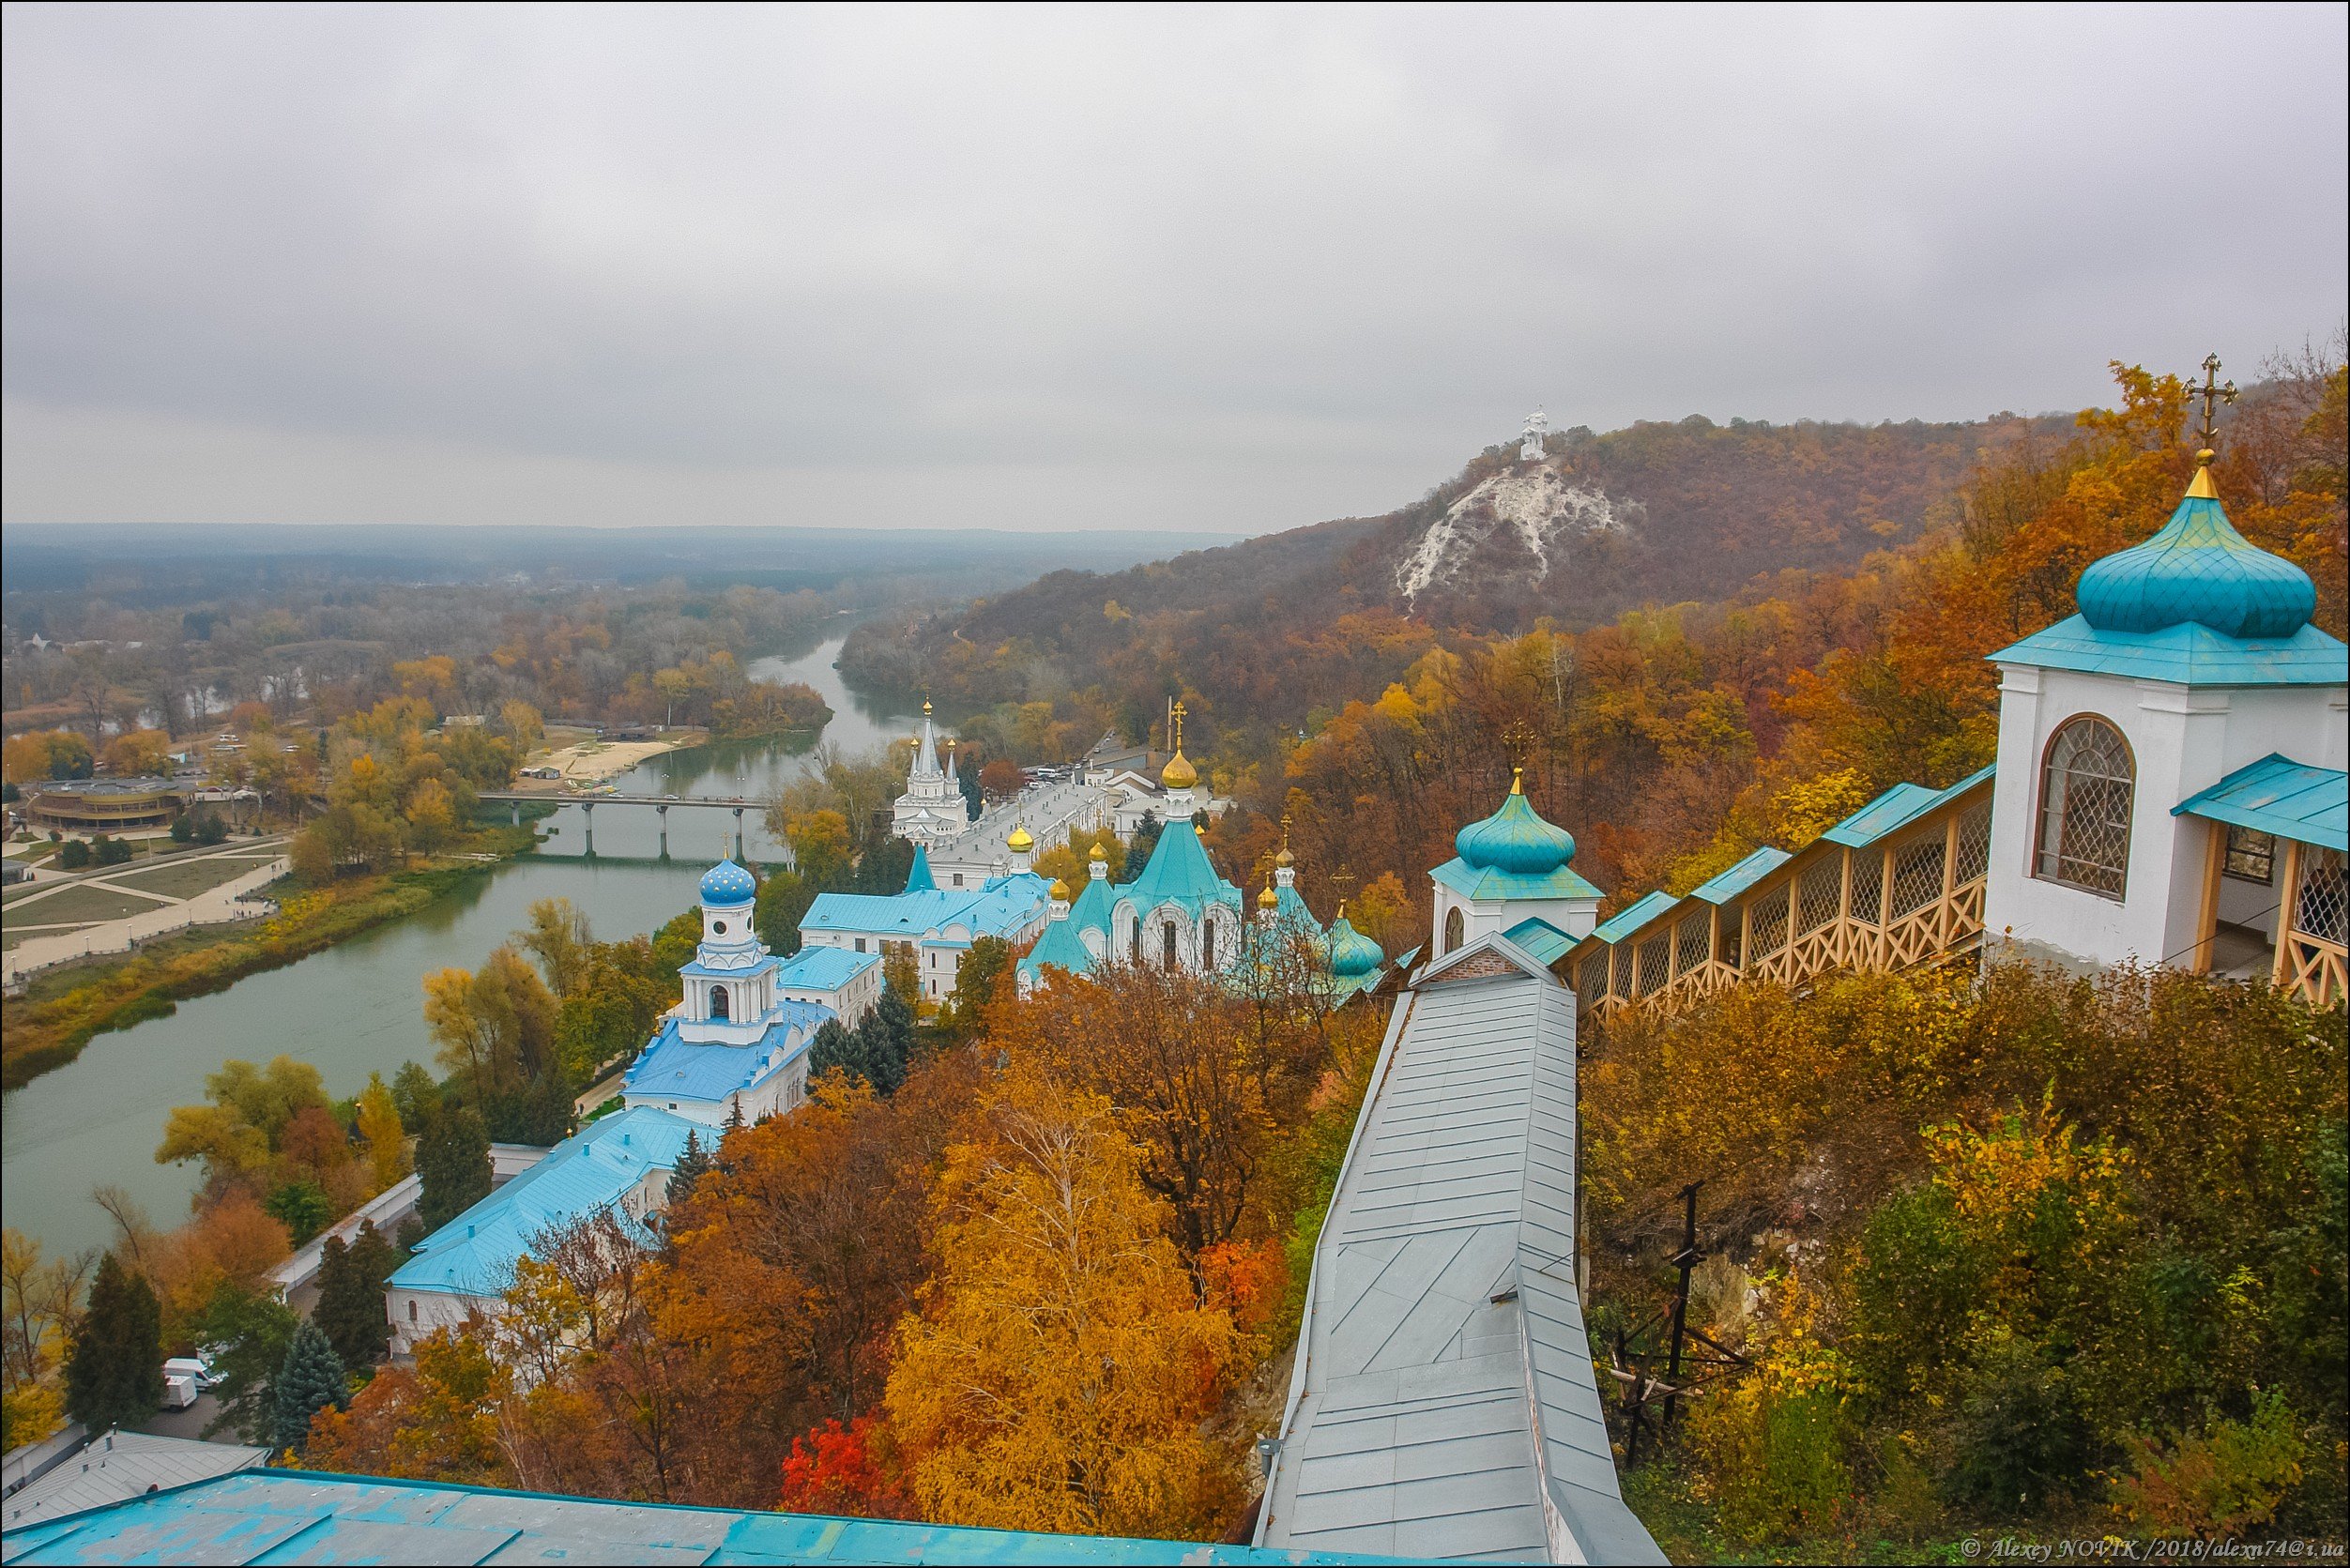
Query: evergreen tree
x,y
453,1159
414,1096
546,1110
889,1039
115,1374
350,1310
837,1045
311,1380
1146,839
247,1336
693,1163
782,903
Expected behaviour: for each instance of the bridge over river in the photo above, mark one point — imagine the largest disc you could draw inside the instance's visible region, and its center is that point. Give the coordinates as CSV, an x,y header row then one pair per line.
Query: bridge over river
x,y
661,803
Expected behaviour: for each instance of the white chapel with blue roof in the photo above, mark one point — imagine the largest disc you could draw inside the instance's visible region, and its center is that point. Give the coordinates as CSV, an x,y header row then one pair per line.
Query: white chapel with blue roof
x,y
735,1048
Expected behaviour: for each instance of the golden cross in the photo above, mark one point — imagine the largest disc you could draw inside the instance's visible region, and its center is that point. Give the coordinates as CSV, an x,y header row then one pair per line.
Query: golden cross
x,y
2214,390
1284,829
1175,726
1344,879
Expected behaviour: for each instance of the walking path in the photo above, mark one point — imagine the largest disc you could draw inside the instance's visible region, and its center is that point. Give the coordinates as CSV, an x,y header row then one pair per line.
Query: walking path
x,y
149,911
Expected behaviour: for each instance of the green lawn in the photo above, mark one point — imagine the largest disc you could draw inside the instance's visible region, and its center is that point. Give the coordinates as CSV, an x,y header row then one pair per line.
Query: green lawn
x,y
79,905
187,878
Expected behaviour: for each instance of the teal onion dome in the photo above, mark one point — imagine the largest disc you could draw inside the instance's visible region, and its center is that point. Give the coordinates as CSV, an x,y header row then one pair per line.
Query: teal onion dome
x,y
1516,839
2198,569
1351,953
728,883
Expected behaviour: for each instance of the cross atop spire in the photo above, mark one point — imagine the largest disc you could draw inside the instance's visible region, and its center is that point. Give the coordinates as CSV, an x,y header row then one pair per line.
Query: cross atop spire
x,y
2213,392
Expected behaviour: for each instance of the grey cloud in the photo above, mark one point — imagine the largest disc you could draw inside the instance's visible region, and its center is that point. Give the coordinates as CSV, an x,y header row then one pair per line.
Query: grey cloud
x,y
1204,268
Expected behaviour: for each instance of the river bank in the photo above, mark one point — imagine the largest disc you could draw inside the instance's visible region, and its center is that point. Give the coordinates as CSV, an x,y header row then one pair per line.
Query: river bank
x,y
64,1007
355,1004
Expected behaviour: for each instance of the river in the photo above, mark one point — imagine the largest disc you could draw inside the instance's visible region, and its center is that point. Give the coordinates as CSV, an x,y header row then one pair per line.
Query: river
x,y
357,1007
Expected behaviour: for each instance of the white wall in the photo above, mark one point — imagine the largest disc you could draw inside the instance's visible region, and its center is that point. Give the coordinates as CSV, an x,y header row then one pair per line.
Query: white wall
x,y
1576,917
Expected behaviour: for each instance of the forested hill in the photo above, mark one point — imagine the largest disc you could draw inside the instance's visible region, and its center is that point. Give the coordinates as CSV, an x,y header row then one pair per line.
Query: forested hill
x,y
1657,513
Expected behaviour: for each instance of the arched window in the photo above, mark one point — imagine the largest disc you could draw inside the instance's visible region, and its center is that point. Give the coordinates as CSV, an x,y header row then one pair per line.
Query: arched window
x,y
1455,930
1134,943
2086,790
1166,934
1206,944
718,1002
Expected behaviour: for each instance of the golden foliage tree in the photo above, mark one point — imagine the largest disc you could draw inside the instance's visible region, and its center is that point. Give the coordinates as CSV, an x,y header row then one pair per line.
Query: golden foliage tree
x,y
1059,1375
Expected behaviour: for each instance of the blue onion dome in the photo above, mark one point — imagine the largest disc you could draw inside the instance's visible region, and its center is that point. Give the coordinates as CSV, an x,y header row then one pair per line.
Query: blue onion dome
x,y
2198,569
1351,953
728,883
1516,839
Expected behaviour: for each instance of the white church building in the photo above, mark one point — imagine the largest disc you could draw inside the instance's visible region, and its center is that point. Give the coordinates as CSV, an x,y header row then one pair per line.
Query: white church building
x,y
737,1047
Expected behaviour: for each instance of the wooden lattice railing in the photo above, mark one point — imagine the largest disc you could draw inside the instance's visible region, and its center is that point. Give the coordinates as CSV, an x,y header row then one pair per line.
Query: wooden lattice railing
x,y
1914,896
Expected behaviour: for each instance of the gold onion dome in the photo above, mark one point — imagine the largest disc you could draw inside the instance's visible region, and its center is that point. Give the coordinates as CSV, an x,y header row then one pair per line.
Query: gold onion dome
x,y
1285,858
1098,852
1020,842
1060,890
1179,773
1268,899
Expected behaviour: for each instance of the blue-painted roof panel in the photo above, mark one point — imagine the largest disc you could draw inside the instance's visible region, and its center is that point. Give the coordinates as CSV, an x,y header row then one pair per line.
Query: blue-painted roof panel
x,y
1092,909
1897,807
1061,946
474,1254
701,970
1725,886
2188,654
256,1515
682,1070
1181,873
1541,938
1637,915
2277,795
1001,909
1485,884
823,968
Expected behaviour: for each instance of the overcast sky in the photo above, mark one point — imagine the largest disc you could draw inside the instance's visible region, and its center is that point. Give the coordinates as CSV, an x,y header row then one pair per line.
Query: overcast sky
x,y
1223,270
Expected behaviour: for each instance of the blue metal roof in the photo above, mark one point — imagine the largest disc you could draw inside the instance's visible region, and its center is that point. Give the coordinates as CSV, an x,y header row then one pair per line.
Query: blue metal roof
x,y
695,966
2277,795
1897,807
310,1517
1059,946
474,1254
1001,909
2186,654
1093,904
1631,920
1541,938
687,1070
1484,884
1180,874
1724,886
823,968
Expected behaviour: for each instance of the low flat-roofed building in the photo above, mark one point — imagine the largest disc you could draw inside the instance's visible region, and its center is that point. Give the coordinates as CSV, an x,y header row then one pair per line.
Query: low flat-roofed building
x,y
102,805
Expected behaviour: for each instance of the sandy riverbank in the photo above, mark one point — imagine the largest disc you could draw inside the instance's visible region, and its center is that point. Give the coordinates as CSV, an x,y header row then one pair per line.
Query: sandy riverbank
x,y
593,761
